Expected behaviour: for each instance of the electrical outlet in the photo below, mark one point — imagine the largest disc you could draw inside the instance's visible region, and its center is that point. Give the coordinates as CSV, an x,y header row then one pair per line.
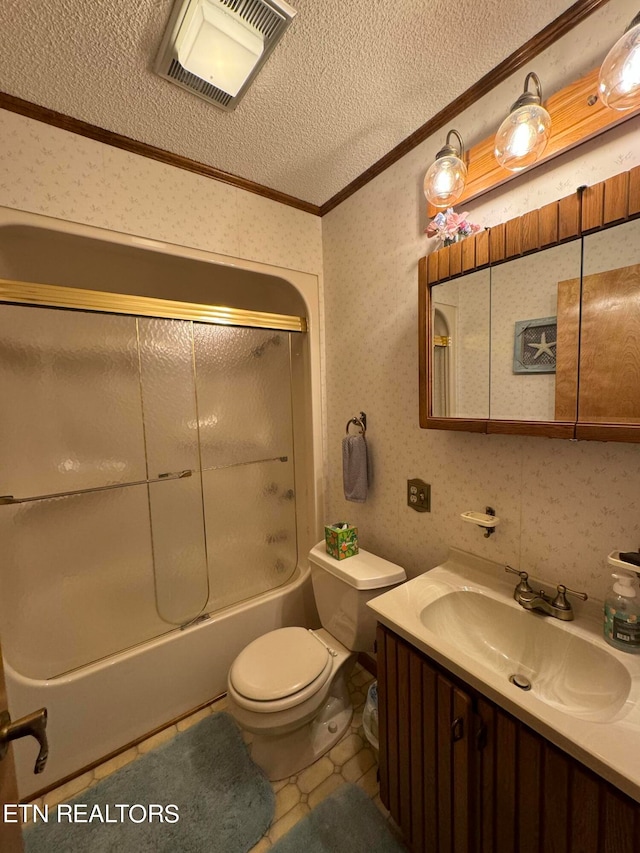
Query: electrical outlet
x,y
419,495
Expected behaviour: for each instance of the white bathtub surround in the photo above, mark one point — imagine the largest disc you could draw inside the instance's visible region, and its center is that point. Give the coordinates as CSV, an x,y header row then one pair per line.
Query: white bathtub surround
x,y
99,708
87,780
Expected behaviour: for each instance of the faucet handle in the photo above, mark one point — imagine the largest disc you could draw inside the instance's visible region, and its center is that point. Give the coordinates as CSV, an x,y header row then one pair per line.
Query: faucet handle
x,y
560,601
523,586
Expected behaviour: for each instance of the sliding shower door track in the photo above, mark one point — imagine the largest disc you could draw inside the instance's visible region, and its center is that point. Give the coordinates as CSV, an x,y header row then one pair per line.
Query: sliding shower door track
x,y
79,299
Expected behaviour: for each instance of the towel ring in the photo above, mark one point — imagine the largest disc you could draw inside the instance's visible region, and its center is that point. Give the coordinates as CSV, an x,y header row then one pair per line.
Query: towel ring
x,y
359,422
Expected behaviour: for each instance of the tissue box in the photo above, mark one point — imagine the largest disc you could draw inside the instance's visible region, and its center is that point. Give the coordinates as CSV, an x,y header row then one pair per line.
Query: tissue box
x,y
341,543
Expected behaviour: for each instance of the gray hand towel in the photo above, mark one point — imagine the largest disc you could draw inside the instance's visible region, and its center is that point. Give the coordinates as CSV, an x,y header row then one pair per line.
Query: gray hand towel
x,y
355,468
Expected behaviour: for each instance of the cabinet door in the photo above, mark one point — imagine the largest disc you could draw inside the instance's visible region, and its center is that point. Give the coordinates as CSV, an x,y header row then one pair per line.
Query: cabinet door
x,y
534,798
427,750
459,779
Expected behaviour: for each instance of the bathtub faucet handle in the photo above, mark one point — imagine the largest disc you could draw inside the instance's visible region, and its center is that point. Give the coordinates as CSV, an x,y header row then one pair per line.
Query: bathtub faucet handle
x,y
33,724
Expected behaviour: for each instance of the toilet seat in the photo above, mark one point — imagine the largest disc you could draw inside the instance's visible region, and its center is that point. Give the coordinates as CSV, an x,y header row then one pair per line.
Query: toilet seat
x,y
279,670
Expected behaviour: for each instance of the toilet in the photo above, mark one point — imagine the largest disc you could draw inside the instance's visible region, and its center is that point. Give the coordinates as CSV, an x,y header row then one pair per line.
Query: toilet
x,y
289,687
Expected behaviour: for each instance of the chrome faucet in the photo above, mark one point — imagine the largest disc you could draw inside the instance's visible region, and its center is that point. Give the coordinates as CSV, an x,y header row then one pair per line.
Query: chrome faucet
x,y
557,607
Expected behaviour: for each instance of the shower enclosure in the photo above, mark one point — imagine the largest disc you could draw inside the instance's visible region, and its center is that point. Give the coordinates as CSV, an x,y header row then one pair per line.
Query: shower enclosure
x,y
148,491
147,468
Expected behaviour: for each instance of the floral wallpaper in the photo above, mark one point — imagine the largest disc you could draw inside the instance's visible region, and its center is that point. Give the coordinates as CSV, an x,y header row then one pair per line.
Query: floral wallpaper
x,y
563,505
50,171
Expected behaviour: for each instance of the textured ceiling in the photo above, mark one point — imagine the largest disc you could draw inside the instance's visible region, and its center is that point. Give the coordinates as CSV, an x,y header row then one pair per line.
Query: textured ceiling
x,y
350,80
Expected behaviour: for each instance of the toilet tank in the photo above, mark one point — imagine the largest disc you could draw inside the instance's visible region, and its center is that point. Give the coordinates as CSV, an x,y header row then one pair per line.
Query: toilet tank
x,y
342,589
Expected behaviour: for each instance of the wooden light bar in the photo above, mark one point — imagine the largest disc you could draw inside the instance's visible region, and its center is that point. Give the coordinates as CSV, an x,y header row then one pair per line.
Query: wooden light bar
x,y
577,115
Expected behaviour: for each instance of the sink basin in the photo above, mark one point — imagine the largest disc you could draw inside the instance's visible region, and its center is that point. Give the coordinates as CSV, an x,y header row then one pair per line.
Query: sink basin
x,y
564,670
584,696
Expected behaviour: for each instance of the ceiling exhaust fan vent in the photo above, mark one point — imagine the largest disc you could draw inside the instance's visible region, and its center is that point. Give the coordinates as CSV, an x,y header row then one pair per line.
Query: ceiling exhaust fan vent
x,y
257,13
214,48
197,85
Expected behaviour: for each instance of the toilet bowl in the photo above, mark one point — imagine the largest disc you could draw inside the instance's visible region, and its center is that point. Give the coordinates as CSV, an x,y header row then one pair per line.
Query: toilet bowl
x,y
289,686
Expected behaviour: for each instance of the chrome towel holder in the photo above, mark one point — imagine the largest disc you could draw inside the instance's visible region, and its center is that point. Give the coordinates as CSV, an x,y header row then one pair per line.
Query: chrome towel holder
x,y
360,421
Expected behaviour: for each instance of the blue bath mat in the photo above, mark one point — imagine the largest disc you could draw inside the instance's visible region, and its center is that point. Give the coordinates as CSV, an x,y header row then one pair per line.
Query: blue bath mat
x,y
346,821
224,801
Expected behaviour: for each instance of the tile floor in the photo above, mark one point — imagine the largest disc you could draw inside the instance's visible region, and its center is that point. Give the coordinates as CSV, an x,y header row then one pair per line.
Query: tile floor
x,y
351,760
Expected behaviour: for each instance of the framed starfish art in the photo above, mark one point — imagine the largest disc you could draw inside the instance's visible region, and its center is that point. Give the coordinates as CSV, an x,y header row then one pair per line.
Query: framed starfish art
x,y
534,349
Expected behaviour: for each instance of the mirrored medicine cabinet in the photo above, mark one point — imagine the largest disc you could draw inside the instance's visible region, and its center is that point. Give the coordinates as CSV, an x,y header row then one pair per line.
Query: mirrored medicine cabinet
x,y
532,327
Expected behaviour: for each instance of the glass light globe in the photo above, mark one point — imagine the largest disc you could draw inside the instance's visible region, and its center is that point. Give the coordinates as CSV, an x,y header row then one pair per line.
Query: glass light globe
x,y
619,83
522,137
445,180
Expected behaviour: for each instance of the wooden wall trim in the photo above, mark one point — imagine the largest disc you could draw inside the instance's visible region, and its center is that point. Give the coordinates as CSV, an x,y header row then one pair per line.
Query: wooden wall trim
x,y
593,207
544,429
529,50
608,432
588,209
634,191
457,424
125,143
424,365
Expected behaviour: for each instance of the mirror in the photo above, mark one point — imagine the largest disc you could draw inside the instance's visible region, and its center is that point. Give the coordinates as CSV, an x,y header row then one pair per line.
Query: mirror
x,y
610,344
460,323
531,327
534,335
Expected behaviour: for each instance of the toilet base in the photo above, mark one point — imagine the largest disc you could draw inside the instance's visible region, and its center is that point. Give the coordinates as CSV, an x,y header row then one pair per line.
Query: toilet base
x,y
281,756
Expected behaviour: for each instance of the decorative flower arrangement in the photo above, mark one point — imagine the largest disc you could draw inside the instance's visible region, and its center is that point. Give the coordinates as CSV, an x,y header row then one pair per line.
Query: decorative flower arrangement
x,y
450,227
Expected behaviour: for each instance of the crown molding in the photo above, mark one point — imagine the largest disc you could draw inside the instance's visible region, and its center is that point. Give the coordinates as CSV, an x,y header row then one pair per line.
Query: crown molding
x,y
546,37
125,143
528,51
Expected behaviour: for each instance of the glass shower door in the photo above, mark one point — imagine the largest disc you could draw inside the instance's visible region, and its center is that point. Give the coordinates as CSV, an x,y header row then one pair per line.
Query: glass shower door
x,y
243,383
171,431
85,575
76,581
151,466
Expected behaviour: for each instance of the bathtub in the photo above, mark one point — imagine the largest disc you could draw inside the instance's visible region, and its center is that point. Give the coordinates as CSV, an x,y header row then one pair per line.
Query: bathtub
x,y
99,709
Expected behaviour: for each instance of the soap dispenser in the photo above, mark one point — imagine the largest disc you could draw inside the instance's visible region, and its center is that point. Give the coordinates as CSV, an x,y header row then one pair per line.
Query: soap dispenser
x,y
622,614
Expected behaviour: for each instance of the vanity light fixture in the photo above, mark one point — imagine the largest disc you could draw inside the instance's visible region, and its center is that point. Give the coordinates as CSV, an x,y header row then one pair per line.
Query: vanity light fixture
x,y
523,135
619,81
446,176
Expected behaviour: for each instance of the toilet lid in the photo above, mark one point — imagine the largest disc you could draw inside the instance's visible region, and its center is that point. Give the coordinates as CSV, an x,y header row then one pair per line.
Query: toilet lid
x,y
278,664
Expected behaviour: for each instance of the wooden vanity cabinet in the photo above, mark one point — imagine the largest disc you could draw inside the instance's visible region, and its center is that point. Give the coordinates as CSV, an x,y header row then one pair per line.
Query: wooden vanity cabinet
x,y
460,775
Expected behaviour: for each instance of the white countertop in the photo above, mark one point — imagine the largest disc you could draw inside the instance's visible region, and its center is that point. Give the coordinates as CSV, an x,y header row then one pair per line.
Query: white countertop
x,y
608,743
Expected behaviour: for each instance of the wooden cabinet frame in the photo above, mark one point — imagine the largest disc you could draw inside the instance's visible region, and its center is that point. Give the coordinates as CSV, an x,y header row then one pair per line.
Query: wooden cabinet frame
x,y
589,209
489,783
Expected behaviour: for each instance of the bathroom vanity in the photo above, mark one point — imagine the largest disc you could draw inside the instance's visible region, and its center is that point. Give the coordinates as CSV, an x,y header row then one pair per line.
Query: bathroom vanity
x,y
470,762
